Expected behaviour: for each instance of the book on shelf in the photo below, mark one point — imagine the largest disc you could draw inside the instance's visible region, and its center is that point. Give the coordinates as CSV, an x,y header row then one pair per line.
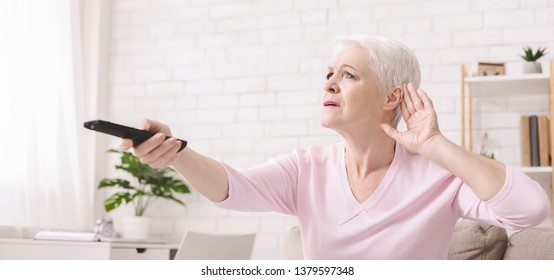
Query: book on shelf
x,y
524,141
544,141
534,132
534,140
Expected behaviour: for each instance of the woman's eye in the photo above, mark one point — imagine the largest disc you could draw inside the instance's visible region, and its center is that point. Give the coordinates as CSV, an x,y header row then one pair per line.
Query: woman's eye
x,y
349,76
329,76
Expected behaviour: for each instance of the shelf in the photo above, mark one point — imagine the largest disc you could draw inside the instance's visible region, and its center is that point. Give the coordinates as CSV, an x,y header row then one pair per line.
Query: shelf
x,y
508,85
535,169
507,78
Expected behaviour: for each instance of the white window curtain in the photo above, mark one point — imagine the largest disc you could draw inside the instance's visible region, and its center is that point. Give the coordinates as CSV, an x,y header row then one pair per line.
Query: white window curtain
x,y
47,165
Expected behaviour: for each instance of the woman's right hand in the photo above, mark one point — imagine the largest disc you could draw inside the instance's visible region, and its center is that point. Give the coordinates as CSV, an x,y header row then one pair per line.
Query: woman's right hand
x,y
156,151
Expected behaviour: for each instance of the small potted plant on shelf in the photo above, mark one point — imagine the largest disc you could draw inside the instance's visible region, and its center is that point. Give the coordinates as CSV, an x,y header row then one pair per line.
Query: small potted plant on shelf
x,y
531,65
151,185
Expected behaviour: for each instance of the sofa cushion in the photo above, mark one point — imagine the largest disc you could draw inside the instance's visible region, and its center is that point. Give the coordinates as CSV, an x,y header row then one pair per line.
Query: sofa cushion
x,y
477,241
531,244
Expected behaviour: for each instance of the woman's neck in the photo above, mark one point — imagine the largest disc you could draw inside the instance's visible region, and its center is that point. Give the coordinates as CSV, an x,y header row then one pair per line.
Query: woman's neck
x,y
368,152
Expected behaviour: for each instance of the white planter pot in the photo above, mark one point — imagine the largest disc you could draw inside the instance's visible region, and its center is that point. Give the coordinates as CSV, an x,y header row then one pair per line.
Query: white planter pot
x,y
135,227
532,67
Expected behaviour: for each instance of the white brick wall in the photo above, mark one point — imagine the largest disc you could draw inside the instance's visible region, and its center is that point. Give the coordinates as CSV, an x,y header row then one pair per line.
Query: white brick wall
x,y
242,80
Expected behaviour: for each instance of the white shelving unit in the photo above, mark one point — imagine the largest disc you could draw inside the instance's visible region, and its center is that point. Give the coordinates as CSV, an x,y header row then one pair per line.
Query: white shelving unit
x,y
507,86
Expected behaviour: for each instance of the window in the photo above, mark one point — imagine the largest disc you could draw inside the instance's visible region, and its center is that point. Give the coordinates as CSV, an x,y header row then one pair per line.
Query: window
x,y
45,164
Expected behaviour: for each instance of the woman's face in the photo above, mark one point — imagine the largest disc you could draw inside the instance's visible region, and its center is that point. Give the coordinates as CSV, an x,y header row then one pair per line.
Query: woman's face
x,y
352,97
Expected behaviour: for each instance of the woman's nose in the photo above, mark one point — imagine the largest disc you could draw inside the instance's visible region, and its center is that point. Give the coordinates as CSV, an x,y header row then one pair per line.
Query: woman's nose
x,y
330,86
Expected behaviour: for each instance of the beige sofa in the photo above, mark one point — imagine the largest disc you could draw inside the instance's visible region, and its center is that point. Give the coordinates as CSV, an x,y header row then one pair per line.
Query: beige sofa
x,y
471,241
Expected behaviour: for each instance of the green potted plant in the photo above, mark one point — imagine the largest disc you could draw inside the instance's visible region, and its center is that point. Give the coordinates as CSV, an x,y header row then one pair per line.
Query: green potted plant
x,y
531,65
151,184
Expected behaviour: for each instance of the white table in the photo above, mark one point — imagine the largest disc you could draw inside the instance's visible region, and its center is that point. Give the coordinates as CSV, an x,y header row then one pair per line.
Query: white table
x,y
29,249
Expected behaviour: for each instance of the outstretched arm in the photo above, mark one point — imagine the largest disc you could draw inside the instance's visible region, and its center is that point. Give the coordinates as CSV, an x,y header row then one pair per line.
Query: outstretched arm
x,y
205,174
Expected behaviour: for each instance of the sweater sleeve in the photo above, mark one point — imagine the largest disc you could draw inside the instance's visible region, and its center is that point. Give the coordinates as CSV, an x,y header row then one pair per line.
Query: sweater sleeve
x,y
267,187
521,203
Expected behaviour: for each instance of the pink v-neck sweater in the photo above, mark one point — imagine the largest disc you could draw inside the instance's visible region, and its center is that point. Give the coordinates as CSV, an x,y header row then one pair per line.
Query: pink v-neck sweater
x,y
411,214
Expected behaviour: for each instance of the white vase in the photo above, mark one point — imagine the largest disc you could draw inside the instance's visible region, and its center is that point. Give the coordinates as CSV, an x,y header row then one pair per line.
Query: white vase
x,y
135,227
530,67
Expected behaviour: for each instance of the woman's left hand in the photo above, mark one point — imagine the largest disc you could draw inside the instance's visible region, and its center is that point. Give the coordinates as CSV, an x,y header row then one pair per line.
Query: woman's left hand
x,y
421,120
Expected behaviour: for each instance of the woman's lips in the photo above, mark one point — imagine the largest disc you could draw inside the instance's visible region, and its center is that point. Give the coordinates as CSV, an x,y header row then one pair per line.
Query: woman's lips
x,y
330,103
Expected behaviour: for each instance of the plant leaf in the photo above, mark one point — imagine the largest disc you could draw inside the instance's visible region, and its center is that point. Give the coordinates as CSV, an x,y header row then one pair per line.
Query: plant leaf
x,y
115,200
179,186
115,183
533,56
175,199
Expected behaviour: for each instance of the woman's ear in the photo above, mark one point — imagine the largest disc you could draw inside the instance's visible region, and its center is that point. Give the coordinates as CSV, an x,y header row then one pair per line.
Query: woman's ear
x,y
393,98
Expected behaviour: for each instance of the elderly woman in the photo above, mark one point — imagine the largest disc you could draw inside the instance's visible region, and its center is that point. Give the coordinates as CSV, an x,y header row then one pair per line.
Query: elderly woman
x,y
379,194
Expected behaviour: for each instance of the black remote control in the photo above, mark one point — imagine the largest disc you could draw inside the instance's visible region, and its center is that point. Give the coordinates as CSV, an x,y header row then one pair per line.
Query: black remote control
x,y
137,135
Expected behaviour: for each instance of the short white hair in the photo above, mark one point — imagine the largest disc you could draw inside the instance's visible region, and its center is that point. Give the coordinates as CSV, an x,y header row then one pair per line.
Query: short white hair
x,y
392,61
